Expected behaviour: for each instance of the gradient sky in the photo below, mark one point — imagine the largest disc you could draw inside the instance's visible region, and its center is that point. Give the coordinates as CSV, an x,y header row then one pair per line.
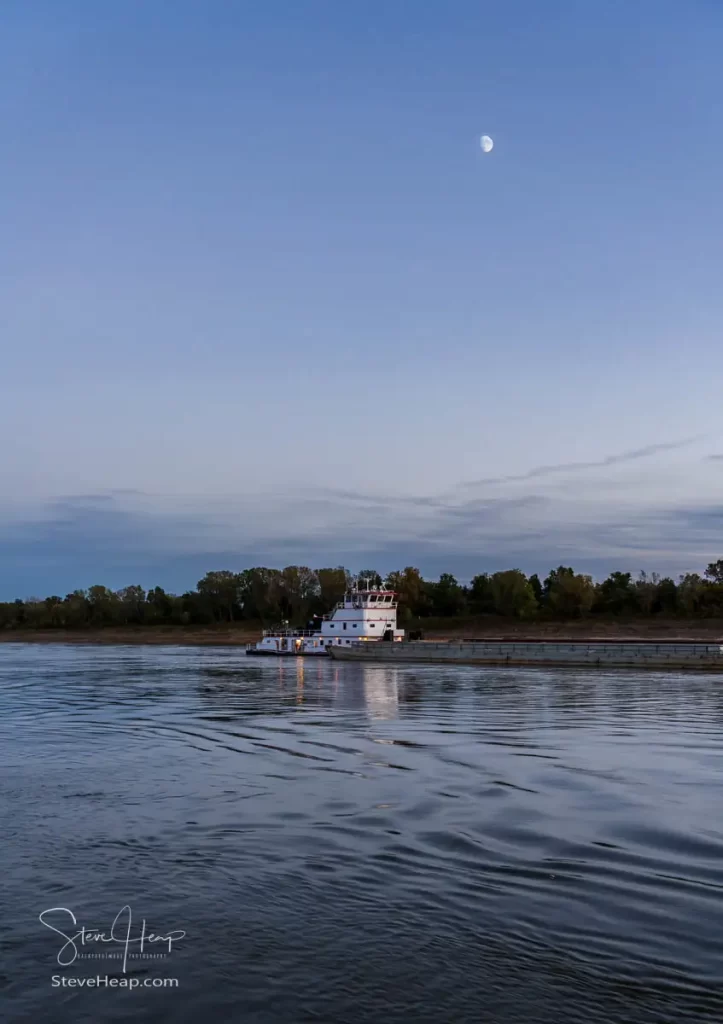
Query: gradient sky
x,y
263,299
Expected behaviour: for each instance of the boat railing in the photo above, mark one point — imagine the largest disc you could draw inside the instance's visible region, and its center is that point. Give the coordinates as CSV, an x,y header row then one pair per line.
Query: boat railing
x,y
290,632
357,602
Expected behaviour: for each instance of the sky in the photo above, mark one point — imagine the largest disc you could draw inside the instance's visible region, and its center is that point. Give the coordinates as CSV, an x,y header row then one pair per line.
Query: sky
x,y
264,300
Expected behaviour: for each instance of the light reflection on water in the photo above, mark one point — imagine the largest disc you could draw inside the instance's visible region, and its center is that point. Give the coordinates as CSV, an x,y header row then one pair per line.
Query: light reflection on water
x,y
364,843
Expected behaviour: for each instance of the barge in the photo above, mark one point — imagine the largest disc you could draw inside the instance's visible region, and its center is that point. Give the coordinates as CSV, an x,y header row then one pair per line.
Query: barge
x,y
578,653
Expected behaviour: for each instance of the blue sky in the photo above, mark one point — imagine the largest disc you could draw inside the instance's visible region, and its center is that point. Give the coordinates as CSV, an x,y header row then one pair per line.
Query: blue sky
x,y
263,298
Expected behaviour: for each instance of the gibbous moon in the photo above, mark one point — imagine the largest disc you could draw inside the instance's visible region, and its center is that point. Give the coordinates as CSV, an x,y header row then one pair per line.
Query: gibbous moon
x,y
486,143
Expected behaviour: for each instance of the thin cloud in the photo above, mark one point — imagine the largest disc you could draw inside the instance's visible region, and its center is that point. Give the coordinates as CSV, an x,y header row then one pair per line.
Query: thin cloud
x,y
381,500
170,540
450,500
101,497
577,467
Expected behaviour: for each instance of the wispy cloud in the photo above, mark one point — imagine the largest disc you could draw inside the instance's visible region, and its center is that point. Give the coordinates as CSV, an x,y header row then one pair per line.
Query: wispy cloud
x,y
452,497
130,536
577,467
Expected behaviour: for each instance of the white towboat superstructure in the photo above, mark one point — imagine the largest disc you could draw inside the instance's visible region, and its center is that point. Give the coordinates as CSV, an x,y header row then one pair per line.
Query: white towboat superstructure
x,y
366,615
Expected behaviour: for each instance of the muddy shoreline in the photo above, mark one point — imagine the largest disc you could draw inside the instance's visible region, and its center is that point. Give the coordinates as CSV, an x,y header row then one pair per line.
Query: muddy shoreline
x,y
184,636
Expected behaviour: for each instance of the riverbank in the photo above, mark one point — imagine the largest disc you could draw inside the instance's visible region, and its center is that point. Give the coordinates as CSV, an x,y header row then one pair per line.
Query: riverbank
x,y
483,628
182,636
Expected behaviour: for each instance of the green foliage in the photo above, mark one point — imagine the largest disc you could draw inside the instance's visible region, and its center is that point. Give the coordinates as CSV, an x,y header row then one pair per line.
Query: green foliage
x,y
617,594
569,595
446,597
480,594
512,595
259,593
666,601
409,586
714,572
298,592
555,576
221,591
646,589
159,606
132,605
332,586
298,588
691,590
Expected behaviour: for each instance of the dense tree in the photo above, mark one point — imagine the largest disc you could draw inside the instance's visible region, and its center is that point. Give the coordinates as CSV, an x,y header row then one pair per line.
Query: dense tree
x,y
132,605
333,584
160,606
512,594
298,589
646,592
713,602
103,606
536,587
296,592
555,576
667,597
446,597
714,572
196,608
691,588
569,595
617,594
76,609
409,585
53,611
698,597
221,589
480,594
260,593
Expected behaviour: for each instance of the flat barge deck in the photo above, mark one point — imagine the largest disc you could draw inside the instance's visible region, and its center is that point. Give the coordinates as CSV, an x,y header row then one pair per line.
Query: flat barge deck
x,y
592,652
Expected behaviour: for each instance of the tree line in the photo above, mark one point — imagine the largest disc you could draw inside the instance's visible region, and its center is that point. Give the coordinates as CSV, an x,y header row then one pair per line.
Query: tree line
x,y
297,593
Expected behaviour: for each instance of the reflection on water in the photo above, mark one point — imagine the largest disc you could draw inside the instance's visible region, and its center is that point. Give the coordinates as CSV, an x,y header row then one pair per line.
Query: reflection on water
x,y
381,691
363,843
378,694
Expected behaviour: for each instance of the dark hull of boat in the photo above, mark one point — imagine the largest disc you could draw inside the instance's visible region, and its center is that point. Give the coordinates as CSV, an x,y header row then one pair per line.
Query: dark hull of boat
x,y
252,652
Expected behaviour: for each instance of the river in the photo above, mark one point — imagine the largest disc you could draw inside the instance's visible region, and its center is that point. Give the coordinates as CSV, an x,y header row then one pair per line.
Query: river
x,y
349,843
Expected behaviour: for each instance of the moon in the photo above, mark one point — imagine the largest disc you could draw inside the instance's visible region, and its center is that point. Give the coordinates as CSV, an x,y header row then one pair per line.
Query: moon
x,y
486,143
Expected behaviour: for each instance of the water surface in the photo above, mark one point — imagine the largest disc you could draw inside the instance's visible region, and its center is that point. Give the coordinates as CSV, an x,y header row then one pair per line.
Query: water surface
x,y
351,843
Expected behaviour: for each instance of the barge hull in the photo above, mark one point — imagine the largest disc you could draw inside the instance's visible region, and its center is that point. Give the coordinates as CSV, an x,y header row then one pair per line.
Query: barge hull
x,y
662,655
256,653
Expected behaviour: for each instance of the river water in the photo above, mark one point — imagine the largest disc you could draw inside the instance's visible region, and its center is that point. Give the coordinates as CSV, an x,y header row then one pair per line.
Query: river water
x,y
348,843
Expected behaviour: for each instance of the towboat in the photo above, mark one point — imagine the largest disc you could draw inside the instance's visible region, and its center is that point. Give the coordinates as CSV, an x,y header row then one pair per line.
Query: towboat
x,y
364,615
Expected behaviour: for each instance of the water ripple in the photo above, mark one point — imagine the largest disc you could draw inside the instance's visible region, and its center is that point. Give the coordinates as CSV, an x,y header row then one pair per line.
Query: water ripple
x,y
360,844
